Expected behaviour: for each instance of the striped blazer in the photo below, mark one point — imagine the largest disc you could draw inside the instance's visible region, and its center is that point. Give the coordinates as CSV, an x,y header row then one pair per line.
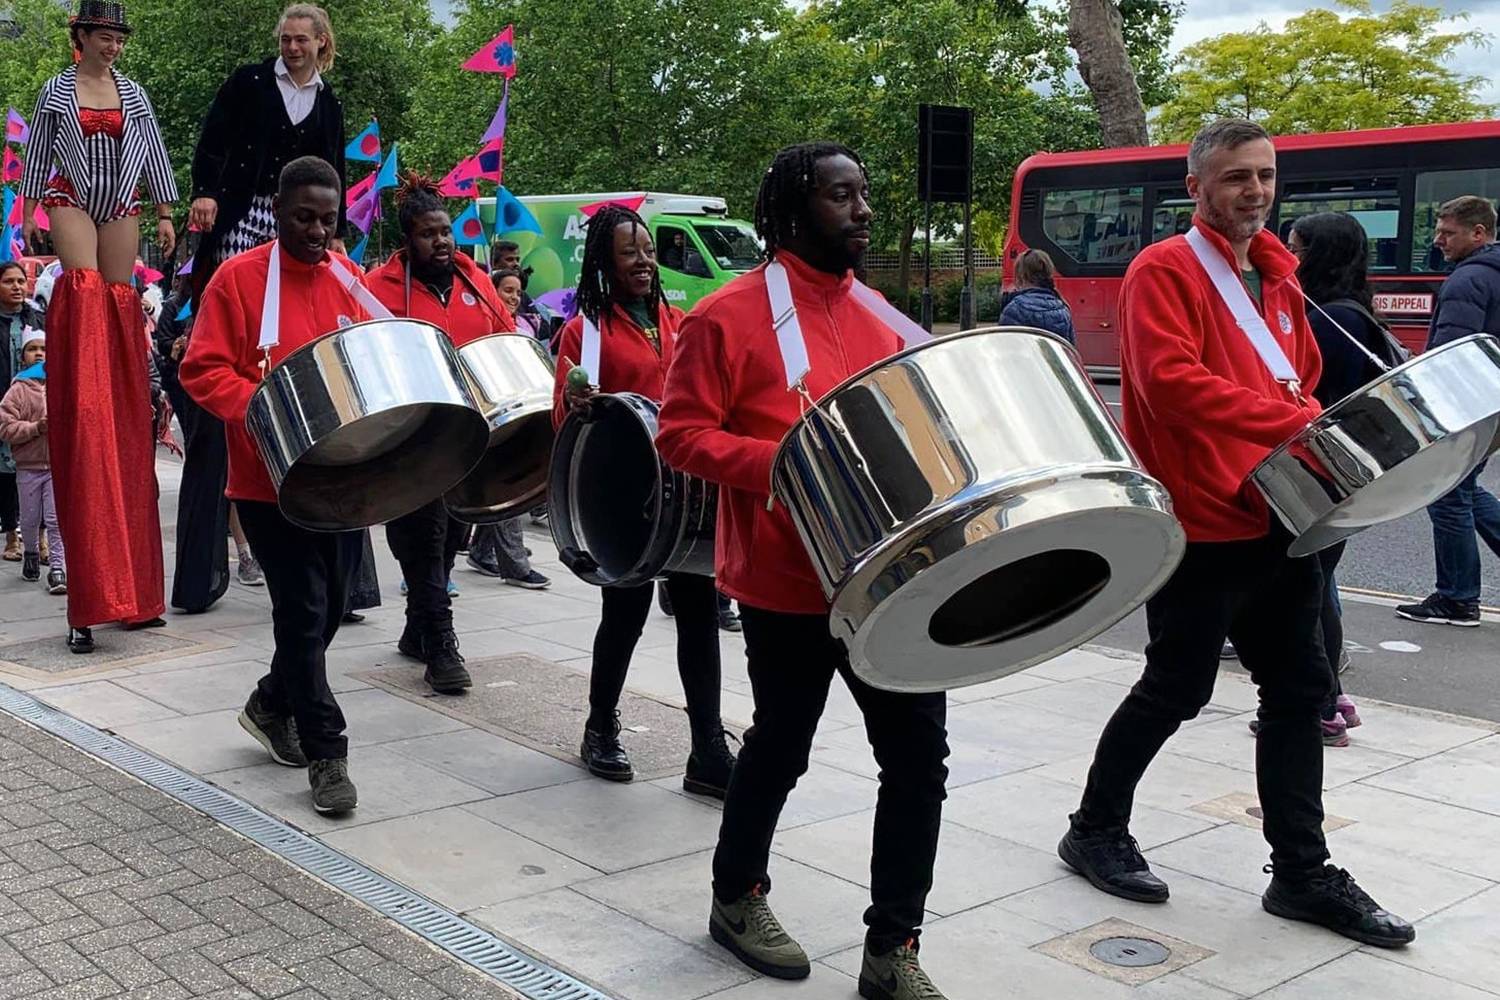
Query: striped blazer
x,y
57,140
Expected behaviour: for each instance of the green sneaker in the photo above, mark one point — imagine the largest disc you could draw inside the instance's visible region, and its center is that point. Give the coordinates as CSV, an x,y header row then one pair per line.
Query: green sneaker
x,y
896,975
751,932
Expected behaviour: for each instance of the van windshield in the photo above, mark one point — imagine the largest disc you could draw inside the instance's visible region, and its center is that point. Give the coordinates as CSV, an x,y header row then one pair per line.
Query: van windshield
x,y
732,247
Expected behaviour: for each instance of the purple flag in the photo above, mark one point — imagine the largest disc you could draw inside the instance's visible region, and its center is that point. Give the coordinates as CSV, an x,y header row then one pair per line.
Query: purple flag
x,y
497,124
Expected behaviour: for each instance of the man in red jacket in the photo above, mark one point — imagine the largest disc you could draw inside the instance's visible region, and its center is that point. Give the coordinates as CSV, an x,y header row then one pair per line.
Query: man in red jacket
x,y
727,406
1207,393
427,279
292,711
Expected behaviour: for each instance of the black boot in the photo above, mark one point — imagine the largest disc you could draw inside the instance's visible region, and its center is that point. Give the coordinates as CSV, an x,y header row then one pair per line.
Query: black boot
x,y
80,640
410,643
31,567
709,765
1331,899
602,753
445,666
1112,861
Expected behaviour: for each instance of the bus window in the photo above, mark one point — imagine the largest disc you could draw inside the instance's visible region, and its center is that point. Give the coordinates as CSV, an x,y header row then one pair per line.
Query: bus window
x,y
1433,189
1094,226
1371,200
1173,215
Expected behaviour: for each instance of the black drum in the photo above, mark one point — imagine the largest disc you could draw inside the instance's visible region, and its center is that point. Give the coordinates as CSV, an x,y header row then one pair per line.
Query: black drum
x,y
620,516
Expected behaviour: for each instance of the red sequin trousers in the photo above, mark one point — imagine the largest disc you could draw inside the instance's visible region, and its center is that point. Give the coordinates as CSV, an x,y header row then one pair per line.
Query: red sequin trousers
x,y
103,456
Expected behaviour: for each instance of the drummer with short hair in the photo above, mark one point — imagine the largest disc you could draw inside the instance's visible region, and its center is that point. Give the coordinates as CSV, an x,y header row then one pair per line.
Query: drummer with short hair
x,y
307,291
622,341
727,406
428,279
1218,366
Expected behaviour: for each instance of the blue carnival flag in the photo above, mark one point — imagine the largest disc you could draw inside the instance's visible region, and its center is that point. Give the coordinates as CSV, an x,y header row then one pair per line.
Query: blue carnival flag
x,y
358,253
366,146
387,176
185,311
468,230
513,217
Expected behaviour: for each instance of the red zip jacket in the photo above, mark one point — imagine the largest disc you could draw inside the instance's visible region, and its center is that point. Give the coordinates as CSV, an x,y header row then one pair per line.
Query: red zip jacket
x,y
629,362
1200,407
221,368
473,309
727,408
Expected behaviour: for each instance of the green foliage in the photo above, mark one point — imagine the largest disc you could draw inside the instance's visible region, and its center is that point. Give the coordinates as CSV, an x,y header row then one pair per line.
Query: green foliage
x,y
1327,72
34,48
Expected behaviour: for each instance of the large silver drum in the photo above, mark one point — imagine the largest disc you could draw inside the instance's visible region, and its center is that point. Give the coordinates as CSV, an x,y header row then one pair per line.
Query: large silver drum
x,y
366,424
1389,449
971,509
510,376
620,515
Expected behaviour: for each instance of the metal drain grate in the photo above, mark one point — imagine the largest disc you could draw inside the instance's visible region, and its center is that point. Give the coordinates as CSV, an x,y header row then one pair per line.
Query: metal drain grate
x,y
1130,952
448,931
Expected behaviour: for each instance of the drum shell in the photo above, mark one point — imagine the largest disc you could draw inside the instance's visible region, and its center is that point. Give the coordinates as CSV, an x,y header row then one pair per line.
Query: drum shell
x,y
510,378
943,466
620,515
365,424
1389,449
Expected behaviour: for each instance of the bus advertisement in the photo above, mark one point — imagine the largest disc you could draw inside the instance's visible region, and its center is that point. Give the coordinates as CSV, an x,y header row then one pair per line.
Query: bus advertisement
x,y
1092,211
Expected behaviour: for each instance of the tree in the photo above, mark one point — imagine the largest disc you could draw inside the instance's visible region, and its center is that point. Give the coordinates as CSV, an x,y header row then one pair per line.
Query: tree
x,y
1096,30
33,47
1328,72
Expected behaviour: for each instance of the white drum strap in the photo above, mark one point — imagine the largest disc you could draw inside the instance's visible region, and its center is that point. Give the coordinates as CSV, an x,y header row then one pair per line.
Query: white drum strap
x,y
589,352
788,328
1231,289
270,306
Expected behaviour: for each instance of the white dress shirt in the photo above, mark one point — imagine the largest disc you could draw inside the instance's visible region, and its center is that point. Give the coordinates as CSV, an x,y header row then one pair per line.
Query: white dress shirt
x,y
299,100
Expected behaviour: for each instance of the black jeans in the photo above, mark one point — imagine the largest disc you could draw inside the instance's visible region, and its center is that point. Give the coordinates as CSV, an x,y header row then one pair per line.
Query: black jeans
x,y
620,624
792,660
1331,624
10,503
308,574
1270,606
425,543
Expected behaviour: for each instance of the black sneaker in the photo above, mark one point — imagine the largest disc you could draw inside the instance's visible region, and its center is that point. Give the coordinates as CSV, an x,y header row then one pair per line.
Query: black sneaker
x,y
1228,652
1111,860
80,640
278,734
1439,610
31,567
332,791
57,581
445,665
531,581
1331,899
709,766
728,620
485,565
603,755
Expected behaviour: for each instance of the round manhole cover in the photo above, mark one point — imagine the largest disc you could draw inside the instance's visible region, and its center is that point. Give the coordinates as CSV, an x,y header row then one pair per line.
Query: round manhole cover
x,y
1130,952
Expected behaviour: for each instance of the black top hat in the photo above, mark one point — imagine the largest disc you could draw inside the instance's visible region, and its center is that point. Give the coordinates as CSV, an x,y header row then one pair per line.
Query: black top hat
x,y
101,14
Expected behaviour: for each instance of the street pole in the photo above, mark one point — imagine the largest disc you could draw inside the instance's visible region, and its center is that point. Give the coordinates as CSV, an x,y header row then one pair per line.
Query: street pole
x,y
966,296
927,269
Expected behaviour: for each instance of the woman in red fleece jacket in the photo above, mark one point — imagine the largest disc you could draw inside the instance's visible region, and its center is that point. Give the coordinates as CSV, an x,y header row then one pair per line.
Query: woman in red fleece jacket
x,y
1201,409
292,711
619,296
727,407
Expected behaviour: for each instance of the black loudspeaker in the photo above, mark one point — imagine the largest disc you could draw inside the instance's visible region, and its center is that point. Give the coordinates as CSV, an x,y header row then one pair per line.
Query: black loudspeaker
x,y
945,153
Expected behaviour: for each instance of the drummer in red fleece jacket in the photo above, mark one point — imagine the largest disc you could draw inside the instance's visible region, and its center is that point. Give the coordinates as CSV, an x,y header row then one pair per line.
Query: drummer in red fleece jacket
x,y
727,406
427,279
1201,408
619,295
292,711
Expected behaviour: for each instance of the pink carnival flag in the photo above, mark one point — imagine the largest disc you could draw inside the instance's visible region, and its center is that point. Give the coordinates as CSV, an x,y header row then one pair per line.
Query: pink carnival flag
x,y
13,217
357,191
366,210
12,169
491,160
633,204
497,56
460,181
16,129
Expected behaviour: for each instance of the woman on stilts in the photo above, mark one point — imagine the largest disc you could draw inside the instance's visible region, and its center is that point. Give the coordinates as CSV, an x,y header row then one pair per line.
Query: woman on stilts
x,y
99,131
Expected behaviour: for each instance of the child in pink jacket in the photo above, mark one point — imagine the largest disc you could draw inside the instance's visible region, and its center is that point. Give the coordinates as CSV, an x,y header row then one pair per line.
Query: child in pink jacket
x,y
23,425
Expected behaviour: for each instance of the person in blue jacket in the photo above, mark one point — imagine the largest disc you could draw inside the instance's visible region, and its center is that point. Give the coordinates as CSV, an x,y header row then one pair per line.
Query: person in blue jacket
x,y
1035,301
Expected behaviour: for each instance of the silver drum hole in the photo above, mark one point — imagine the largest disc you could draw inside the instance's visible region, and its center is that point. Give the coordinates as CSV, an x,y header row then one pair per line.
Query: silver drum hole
x,y
1019,598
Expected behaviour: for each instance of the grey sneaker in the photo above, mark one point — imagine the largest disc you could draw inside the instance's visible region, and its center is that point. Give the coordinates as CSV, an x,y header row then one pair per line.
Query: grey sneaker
x,y
332,791
277,733
896,975
57,581
751,932
249,572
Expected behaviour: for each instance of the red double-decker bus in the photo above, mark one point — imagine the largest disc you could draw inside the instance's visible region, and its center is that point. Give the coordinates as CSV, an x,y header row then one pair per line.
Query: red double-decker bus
x,y
1093,211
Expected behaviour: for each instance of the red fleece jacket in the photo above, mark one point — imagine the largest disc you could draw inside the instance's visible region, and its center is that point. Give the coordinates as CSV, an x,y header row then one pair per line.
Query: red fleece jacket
x,y
1200,407
221,369
727,407
473,309
627,360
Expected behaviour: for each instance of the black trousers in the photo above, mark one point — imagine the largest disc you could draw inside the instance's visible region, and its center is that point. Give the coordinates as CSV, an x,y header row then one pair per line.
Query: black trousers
x,y
1331,622
308,574
1270,606
425,542
620,623
10,503
792,661
201,575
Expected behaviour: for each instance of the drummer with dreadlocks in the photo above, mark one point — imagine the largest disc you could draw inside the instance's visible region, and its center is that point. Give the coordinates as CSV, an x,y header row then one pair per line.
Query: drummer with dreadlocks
x,y
428,279
622,341
727,406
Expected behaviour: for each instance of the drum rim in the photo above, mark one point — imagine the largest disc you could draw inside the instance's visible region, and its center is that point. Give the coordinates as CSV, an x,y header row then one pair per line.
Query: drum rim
x,y
306,348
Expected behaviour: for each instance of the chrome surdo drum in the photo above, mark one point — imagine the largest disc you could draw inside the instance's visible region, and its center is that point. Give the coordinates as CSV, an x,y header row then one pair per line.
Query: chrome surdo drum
x,y
1389,449
620,515
971,509
510,377
366,424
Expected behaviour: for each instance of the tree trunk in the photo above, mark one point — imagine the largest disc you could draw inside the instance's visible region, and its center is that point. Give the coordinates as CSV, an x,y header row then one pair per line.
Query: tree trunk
x,y
1096,32
908,232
